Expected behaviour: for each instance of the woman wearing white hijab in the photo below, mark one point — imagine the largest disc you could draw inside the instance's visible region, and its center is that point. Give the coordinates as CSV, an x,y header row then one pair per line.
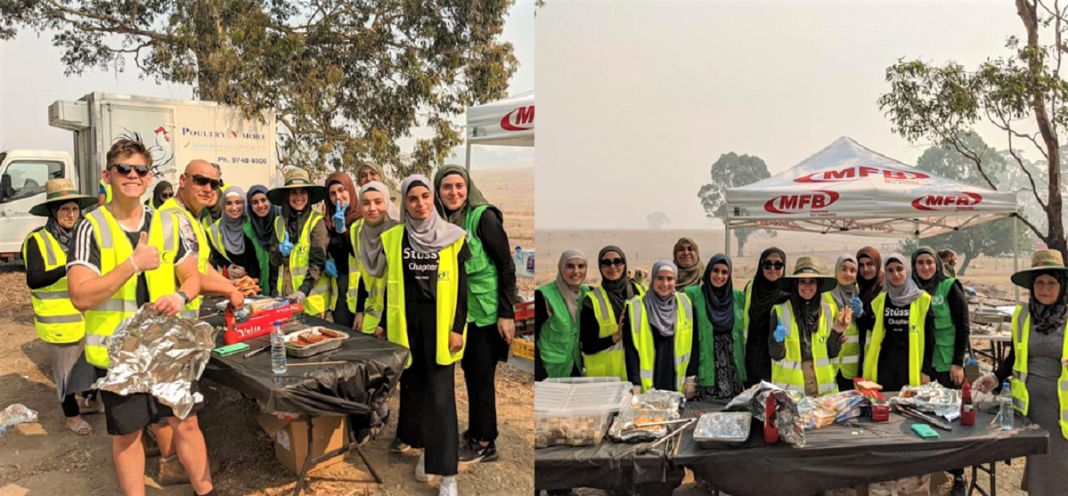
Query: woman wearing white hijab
x,y
899,351
556,323
426,312
658,337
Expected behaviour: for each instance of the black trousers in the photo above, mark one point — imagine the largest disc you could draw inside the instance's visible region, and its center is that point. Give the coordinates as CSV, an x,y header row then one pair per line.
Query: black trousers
x,y
485,347
70,406
427,417
341,313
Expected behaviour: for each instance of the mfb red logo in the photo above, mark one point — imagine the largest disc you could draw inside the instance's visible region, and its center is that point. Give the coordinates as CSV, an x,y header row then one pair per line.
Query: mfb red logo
x,y
523,116
788,204
858,172
960,201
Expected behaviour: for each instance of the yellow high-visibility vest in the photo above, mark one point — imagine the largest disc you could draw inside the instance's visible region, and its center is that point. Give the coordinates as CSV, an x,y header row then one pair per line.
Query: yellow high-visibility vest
x,y
917,318
848,361
788,372
165,232
643,339
316,302
608,362
1021,398
54,315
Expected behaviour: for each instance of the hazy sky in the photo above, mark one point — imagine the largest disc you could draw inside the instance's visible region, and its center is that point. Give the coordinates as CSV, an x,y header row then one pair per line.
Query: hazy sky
x,y
31,78
638,99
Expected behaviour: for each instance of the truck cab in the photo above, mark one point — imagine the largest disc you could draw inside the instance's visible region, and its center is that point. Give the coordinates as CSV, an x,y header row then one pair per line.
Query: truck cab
x,y
23,174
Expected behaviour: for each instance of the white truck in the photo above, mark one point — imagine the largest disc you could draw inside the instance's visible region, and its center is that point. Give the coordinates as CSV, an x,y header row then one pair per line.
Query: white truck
x,y
175,132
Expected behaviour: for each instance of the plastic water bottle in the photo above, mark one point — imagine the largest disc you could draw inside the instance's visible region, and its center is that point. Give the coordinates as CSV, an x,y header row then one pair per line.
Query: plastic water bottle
x,y
278,349
518,256
1006,407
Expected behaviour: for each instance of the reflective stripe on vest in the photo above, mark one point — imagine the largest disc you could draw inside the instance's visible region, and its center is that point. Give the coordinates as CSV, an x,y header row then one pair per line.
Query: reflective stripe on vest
x,y
1021,397
165,231
788,373
375,303
54,315
644,343
446,298
609,362
101,320
917,319
317,302
849,356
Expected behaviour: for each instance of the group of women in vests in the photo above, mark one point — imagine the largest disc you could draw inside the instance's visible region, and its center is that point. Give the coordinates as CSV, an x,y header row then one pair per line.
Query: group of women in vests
x,y
896,320
435,276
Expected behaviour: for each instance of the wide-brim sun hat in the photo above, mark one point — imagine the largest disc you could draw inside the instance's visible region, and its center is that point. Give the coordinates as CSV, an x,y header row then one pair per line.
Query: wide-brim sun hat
x,y
297,178
1041,260
808,268
61,191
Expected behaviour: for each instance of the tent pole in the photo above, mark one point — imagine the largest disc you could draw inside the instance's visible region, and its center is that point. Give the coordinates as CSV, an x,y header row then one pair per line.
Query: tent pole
x,y
726,231
467,157
1015,255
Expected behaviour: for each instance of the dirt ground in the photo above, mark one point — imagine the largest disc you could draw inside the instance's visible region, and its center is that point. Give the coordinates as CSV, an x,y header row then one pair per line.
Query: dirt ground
x,y
643,247
46,459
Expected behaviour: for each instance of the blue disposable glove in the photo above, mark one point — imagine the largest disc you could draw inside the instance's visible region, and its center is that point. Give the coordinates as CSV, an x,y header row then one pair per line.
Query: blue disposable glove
x,y
858,307
286,246
780,332
331,268
339,217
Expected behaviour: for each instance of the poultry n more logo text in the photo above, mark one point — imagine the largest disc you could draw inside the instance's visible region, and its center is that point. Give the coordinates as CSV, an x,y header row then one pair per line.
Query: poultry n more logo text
x,y
958,202
518,118
860,172
199,133
815,203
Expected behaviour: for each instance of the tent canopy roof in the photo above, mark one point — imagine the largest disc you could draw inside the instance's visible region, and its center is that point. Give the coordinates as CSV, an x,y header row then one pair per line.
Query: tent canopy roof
x,y
848,188
508,122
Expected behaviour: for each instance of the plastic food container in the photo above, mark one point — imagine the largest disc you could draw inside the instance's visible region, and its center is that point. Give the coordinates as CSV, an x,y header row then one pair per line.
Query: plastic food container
x,y
297,351
576,413
723,429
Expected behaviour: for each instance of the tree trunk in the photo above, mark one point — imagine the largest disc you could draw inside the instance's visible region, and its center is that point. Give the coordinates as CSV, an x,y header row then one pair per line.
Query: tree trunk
x,y
968,257
741,246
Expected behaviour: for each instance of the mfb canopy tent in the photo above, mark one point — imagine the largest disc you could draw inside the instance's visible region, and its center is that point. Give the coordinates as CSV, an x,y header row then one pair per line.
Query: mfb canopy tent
x,y
847,188
508,122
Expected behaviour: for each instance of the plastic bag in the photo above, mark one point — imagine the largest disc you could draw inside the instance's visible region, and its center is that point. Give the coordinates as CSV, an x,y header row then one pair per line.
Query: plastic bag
x,y
821,411
16,414
787,416
656,399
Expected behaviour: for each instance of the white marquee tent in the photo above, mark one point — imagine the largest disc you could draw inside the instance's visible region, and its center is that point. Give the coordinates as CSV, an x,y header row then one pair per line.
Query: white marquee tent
x,y
847,188
508,122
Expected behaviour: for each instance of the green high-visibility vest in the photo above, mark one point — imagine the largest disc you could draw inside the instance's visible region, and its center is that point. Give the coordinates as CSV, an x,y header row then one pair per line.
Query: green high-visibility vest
x,y
262,257
54,315
788,372
558,341
482,280
447,296
608,362
917,316
848,362
706,371
1021,398
643,339
945,333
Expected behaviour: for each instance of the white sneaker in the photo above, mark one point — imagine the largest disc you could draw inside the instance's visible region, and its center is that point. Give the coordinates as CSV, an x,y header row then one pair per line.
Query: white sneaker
x,y
448,487
420,468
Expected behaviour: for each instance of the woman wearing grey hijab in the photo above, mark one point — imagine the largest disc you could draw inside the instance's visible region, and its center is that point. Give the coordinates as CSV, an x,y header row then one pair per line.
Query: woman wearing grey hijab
x,y
847,295
378,215
654,326
426,312
900,349
232,246
556,320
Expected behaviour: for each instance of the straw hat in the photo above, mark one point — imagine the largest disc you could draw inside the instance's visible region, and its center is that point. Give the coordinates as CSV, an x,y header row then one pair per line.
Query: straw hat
x,y
297,178
61,191
808,268
1041,260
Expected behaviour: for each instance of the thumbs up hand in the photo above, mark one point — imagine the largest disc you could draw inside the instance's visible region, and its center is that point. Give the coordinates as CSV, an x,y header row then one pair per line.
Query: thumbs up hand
x,y
339,217
286,246
780,331
145,256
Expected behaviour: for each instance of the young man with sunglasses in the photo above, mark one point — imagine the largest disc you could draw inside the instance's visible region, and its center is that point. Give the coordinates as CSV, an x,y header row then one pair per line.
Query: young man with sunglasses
x,y
113,270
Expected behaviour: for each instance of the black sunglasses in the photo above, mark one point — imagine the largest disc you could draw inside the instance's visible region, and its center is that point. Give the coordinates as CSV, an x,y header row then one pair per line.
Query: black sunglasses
x,y
167,196
124,169
774,265
616,261
202,181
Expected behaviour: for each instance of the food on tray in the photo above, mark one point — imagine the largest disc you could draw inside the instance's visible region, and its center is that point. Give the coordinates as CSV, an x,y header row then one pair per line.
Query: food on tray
x,y
866,385
581,430
314,336
328,333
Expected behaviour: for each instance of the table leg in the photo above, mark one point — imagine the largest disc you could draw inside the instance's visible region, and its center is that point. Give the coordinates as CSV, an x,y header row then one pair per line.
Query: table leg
x,y
307,460
974,486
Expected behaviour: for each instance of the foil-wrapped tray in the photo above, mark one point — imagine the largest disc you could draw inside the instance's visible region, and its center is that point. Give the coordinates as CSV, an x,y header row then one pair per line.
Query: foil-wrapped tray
x,y
931,397
722,429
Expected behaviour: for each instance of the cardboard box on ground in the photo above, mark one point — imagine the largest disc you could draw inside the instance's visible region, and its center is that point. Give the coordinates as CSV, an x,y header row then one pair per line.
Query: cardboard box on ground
x,y
291,440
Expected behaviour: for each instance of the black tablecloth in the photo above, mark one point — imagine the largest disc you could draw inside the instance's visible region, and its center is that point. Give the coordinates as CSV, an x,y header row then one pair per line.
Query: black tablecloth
x,y
840,455
359,386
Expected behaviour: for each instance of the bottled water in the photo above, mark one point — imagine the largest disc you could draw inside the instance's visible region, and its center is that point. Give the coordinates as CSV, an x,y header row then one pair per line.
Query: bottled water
x,y
278,349
1006,407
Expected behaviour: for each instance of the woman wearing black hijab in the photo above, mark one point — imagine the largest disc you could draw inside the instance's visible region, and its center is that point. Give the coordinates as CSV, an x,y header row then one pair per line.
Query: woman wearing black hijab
x,y
1038,364
602,310
163,192
261,216
761,296
952,330
719,322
